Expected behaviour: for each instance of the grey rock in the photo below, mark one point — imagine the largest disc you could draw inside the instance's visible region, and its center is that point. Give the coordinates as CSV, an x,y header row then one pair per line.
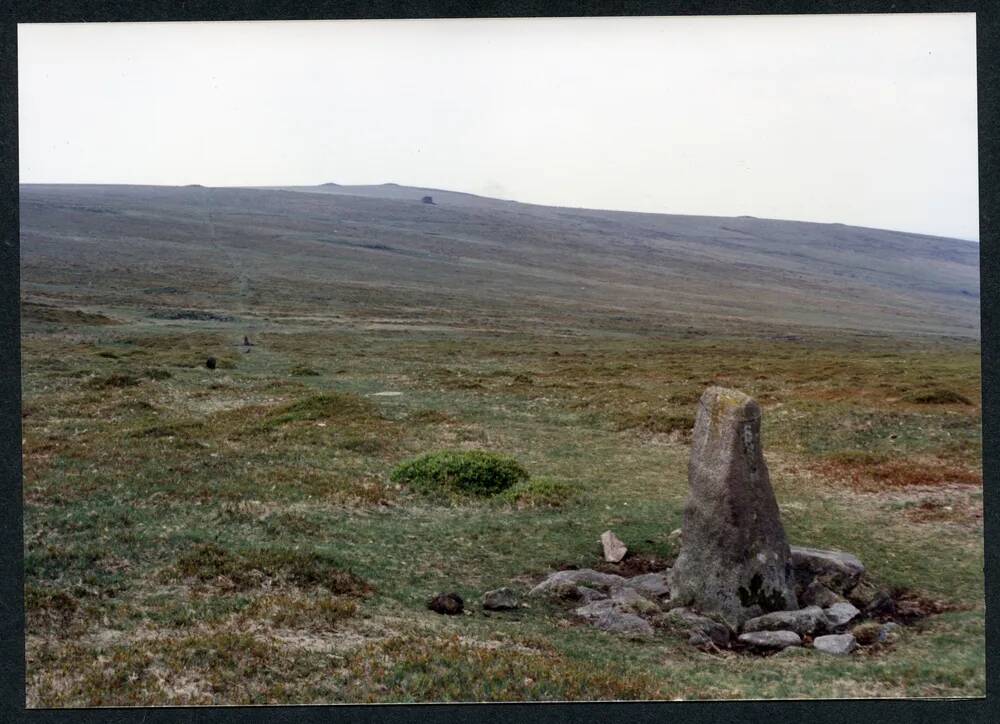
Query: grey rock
x,y
688,620
624,600
836,570
501,599
630,599
653,585
771,639
614,549
734,555
558,581
593,611
627,624
816,594
805,621
889,632
587,594
836,644
840,614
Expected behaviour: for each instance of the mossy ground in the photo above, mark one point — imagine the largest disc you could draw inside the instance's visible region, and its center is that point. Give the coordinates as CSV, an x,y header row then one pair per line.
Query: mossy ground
x,y
233,536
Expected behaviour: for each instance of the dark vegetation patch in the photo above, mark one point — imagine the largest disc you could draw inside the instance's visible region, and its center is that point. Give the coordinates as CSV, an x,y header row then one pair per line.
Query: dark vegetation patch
x,y
51,314
634,564
248,568
116,380
197,315
303,371
472,472
156,373
655,421
937,396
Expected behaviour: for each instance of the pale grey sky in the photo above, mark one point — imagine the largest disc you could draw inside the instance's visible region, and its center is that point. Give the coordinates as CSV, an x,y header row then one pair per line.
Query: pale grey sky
x,y
861,119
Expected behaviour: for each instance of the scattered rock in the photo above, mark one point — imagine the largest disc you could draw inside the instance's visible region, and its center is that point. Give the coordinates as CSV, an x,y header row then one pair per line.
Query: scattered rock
x,y
627,624
836,644
805,621
816,594
771,639
623,600
702,626
863,594
889,632
583,576
734,556
614,549
675,536
840,614
583,593
836,570
633,600
652,585
501,599
210,363
449,604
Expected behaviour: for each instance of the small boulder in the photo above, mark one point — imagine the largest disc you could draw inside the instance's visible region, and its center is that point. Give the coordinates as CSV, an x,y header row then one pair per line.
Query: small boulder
x,y
584,576
450,604
840,614
501,599
651,585
771,639
627,624
816,594
614,549
586,594
836,570
805,621
633,600
889,632
699,626
835,644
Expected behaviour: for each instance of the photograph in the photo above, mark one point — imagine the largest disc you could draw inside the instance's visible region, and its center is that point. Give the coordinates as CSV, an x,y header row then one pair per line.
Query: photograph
x,y
536,359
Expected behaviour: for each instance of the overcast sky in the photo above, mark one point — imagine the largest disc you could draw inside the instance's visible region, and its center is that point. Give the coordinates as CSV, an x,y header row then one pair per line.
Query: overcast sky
x,y
861,119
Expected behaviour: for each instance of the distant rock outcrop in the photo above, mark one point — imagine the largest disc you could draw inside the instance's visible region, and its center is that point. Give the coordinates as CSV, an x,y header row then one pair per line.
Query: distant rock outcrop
x,y
428,200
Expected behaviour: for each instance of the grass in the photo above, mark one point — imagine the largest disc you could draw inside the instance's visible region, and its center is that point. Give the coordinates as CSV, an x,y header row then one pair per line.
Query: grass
x,y
238,535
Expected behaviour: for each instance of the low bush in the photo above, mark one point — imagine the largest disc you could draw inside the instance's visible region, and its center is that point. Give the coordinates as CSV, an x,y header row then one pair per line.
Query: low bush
x,y
473,472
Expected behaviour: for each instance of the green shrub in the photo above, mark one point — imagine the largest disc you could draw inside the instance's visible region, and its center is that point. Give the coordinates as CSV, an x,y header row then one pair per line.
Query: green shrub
x,y
539,492
474,472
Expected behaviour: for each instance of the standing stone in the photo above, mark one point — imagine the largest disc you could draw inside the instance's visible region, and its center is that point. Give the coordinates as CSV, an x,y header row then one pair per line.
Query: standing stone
x,y
734,559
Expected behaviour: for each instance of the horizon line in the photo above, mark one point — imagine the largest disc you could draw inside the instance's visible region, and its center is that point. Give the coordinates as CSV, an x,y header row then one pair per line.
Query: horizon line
x,y
278,187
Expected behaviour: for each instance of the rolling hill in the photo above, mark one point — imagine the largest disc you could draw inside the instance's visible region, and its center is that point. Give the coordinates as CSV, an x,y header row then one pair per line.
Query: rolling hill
x,y
378,255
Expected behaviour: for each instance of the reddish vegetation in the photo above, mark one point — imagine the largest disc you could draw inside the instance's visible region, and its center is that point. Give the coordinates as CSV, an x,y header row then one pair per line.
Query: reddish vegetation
x,y
873,476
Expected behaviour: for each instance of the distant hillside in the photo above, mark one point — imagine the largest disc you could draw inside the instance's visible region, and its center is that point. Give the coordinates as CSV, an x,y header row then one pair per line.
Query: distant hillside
x,y
378,253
